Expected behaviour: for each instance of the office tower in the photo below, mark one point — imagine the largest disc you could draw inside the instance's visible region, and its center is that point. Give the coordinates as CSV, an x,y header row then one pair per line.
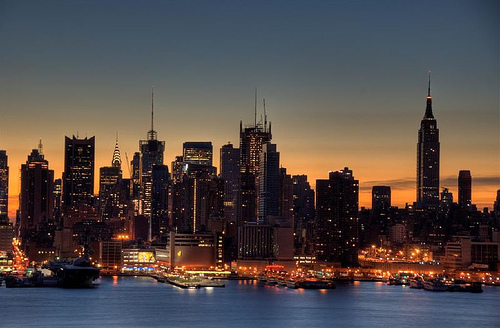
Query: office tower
x,y
268,182
199,153
496,205
110,187
381,200
4,185
78,176
177,169
464,188
252,139
336,224
151,154
159,205
446,201
428,158
36,197
230,173
286,196
57,201
303,213
136,175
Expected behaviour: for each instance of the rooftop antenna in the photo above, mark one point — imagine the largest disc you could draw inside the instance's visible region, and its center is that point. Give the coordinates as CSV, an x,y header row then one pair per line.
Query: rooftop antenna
x,y
255,108
265,114
429,88
152,106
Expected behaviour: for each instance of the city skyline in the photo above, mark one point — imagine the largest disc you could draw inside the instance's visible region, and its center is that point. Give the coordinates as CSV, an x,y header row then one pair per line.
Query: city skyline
x,y
330,107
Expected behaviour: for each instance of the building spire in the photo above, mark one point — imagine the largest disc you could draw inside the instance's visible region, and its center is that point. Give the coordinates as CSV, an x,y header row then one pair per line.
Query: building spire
x,y
428,109
117,160
152,133
40,147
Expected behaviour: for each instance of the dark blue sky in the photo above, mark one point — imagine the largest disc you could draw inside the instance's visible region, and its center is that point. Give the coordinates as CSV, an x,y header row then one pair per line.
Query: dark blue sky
x,y
344,81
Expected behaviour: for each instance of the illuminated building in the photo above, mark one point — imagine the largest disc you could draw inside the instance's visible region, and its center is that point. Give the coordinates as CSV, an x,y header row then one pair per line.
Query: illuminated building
x,y
336,223
268,182
110,187
159,205
198,153
36,202
78,176
381,203
110,255
6,236
192,251
428,158
252,139
177,169
4,185
285,195
464,188
138,260
151,154
230,173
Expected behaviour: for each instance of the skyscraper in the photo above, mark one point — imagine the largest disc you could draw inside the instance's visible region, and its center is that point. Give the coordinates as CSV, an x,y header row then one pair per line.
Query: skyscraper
x,y
268,182
159,205
230,173
4,185
151,154
252,139
78,176
110,186
464,188
336,224
381,200
428,158
36,199
199,153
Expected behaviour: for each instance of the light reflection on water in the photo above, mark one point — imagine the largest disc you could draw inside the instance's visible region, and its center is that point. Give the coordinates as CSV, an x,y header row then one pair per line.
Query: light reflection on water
x,y
141,301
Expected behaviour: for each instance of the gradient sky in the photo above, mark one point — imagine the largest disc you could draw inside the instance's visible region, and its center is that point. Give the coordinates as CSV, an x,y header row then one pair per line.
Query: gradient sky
x,y
344,81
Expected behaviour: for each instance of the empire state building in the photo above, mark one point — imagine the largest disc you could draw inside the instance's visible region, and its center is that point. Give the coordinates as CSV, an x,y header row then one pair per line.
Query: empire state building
x,y
428,158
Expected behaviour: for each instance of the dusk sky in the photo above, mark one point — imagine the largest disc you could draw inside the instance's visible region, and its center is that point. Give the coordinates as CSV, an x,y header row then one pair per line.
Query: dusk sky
x,y
345,82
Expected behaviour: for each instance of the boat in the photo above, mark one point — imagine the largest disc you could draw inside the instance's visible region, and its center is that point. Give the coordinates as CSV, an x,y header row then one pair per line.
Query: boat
x,y
397,281
79,274
463,286
436,285
272,281
291,284
315,284
417,283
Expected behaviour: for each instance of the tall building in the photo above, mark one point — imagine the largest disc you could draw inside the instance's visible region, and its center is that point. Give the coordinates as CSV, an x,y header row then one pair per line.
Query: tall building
x,y
159,205
303,214
78,176
428,158
110,187
230,173
36,197
252,139
337,221
199,153
381,200
464,188
151,154
4,185
268,182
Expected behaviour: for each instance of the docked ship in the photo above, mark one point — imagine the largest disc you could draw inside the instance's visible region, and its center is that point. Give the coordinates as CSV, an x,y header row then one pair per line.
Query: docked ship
x,y
79,274
436,285
417,283
315,284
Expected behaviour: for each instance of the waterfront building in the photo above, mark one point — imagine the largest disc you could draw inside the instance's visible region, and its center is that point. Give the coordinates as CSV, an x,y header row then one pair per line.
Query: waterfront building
x,y
428,158
78,176
337,221
464,188
4,185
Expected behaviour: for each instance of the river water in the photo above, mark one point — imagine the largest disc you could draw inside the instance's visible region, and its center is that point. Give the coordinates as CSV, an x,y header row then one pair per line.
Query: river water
x,y
144,302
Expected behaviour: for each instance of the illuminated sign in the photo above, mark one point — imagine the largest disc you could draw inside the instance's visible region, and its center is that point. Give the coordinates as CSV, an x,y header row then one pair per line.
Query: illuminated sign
x,y
146,257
